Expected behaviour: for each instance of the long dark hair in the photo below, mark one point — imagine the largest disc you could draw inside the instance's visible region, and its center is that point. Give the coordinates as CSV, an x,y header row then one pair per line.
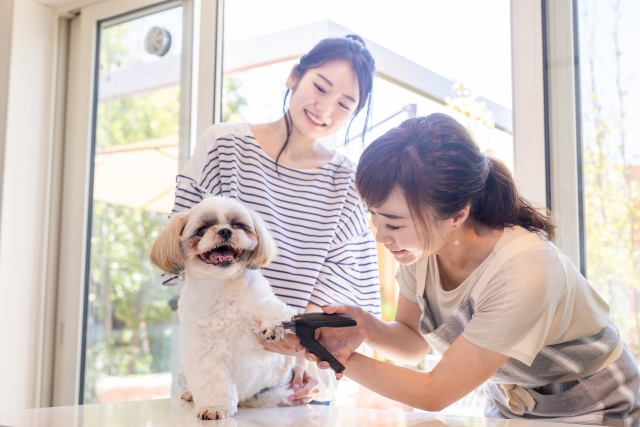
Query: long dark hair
x,y
440,170
351,49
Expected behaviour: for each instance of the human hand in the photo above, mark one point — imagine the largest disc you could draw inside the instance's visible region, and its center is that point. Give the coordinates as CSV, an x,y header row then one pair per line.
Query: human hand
x,y
341,342
305,386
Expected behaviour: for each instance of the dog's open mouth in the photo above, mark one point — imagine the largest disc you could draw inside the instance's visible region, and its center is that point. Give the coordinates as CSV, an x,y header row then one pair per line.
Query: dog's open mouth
x,y
223,255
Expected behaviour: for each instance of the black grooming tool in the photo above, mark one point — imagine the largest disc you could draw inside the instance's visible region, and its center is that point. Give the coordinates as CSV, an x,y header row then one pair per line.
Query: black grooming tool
x,y
305,325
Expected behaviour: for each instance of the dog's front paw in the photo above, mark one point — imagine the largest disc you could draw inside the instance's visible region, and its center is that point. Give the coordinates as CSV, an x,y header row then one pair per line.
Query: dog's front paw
x,y
186,395
270,331
213,414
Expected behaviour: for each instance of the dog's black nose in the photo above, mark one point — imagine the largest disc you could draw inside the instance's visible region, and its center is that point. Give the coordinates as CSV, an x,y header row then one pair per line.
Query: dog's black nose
x,y
225,233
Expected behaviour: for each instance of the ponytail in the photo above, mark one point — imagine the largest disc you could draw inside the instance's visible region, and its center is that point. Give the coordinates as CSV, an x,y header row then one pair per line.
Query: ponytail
x,y
501,206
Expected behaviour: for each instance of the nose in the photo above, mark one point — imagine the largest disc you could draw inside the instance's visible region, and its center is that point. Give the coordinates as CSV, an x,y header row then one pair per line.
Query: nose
x,y
325,106
382,237
225,233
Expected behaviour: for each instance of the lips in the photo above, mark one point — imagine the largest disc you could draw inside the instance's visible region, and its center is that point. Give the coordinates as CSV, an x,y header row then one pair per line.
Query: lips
x,y
398,252
313,119
222,255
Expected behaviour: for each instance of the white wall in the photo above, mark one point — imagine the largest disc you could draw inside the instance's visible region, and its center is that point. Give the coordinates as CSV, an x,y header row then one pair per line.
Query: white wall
x,y
6,18
22,223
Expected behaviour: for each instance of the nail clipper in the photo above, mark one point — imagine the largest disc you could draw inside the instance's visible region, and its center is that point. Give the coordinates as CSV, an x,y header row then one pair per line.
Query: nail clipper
x,y
305,325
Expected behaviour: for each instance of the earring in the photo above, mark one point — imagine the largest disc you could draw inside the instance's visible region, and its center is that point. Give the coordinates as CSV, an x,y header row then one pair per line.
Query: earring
x,y
457,242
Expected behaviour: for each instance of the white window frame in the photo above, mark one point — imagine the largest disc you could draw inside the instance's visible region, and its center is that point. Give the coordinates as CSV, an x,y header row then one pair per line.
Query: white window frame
x,y
544,104
68,195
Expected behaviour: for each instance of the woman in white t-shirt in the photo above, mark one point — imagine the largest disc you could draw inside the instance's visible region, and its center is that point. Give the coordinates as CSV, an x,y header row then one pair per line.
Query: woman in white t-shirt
x,y
484,286
303,190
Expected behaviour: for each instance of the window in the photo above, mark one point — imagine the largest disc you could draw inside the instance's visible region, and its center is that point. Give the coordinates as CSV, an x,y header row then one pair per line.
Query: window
x,y
130,328
610,113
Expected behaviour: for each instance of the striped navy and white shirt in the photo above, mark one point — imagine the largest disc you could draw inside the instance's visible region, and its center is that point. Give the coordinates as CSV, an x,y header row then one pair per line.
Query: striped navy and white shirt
x,y
326,251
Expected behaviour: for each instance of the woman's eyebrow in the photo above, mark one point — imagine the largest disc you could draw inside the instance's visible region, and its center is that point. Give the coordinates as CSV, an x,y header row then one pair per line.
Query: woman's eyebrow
x,y
331,84
390,216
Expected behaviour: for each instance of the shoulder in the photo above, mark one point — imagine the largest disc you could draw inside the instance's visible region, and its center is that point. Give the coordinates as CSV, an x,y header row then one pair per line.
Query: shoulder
x,y
227,131
537,259
536,275
342,163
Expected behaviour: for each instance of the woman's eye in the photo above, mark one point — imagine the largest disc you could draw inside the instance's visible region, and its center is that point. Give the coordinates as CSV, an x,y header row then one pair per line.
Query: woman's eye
x,y
392,228
319,88
237,226
343,106
201,231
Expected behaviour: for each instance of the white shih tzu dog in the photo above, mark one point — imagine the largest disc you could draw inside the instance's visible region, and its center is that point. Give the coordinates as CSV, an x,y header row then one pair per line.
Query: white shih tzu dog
x,y
217,246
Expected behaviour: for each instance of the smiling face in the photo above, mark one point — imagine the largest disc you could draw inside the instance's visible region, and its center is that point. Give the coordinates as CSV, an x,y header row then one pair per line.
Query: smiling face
x,y
396,229
323,99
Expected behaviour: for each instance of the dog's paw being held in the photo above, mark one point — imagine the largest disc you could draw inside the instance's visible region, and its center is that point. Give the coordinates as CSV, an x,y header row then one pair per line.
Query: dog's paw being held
x,y
269,333
213,414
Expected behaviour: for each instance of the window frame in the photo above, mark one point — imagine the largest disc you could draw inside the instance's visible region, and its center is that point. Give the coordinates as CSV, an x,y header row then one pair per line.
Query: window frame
x,y
61,382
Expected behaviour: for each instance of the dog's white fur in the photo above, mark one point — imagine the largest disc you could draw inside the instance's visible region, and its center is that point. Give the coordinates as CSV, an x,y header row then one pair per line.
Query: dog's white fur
x,y
223,306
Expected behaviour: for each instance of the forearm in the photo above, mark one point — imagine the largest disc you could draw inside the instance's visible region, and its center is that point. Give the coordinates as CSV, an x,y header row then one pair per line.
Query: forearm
x,y
463,368
396,341
413,388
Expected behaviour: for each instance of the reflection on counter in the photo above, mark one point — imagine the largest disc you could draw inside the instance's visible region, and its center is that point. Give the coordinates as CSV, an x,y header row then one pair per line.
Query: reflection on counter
x,y
175,412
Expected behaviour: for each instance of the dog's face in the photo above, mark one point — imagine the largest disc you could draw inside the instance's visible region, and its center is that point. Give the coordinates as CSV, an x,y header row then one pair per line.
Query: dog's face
x,y
218,237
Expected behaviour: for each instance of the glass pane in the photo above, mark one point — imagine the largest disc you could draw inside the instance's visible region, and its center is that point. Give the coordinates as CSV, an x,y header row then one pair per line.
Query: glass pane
x,y
610,107
460,49
130,328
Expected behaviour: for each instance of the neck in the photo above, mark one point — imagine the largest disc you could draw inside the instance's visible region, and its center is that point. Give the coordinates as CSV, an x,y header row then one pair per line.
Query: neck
x,y
299,146
457,262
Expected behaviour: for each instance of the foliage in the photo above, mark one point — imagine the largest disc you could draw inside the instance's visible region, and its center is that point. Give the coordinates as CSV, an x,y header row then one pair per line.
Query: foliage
x,y
137,118
125,298
612,190
232,101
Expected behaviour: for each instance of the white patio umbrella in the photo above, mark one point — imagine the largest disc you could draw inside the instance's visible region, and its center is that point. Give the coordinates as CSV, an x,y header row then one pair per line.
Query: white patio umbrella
x,y
139,175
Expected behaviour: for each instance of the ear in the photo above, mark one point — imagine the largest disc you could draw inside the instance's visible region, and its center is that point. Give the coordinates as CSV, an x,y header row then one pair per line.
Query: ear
x,y
266,249
166,252
461,216
292,80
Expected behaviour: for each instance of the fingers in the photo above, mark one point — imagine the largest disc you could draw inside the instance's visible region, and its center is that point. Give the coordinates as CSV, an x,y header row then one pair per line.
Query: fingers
x,y
296,382
331,309
308,391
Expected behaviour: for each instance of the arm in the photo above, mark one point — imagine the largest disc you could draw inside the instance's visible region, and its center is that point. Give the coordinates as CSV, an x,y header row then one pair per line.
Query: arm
x,y
463,368
399,340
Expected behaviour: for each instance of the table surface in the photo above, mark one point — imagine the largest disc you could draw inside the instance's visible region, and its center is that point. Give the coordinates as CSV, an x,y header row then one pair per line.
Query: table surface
x,y
175,412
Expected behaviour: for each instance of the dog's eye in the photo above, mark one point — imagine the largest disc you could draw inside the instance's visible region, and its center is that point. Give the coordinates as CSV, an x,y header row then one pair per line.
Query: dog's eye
x,y
238,226
201,231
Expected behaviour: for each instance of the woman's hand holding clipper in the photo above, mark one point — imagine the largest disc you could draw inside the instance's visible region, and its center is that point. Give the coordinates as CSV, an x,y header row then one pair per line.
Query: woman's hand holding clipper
x,y
341,342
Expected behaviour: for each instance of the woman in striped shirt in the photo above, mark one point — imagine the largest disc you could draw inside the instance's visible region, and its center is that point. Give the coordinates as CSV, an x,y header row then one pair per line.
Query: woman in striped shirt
x,y
303,190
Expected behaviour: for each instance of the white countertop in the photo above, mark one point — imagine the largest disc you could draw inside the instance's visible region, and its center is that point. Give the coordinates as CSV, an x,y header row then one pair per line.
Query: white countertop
x,y
175,412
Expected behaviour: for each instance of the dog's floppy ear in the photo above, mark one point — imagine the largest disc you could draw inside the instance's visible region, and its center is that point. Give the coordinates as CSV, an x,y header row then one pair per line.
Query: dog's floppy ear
x,y
266,249
166,252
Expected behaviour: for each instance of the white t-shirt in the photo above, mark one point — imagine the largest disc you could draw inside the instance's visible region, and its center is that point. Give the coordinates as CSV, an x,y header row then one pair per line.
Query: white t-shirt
x,y
539,298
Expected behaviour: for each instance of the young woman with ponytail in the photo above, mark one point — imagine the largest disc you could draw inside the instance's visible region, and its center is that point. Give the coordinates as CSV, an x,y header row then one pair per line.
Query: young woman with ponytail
x,y
482,284
303,190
